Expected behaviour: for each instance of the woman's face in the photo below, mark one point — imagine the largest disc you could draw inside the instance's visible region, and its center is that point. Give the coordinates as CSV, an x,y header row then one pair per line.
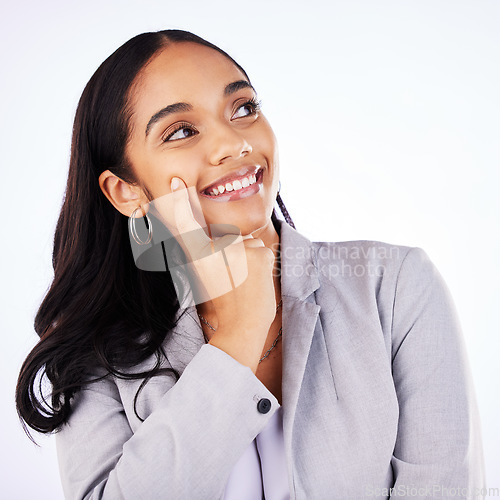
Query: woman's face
x,y
194,117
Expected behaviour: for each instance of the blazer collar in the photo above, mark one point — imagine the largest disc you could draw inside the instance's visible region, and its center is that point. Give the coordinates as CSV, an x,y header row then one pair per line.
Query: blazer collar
x,y
299,274
299,281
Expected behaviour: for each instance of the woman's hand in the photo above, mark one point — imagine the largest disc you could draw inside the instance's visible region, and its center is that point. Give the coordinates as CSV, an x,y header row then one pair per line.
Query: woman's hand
x,y
235,273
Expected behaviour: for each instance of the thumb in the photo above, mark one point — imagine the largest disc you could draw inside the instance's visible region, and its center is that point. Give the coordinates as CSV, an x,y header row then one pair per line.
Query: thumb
x,y
176,184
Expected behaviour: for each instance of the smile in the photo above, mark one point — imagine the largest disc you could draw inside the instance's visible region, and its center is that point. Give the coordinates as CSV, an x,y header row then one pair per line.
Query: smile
x,y
237,189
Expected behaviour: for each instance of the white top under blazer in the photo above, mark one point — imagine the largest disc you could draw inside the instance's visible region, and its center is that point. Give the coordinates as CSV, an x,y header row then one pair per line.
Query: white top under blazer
x,y
260,473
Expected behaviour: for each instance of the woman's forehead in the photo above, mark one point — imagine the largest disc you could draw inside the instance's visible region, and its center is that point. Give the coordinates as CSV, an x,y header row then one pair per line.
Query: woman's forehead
x,y
185,70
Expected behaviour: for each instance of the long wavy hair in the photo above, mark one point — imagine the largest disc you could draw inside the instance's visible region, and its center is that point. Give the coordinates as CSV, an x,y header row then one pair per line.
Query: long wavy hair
x,y
101,311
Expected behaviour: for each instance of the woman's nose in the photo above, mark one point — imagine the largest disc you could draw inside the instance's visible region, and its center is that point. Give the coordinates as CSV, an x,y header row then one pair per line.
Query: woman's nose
x,y
226,142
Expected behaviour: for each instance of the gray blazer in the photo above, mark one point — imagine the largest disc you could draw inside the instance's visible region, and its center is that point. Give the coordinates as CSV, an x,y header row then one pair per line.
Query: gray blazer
x,y
377,393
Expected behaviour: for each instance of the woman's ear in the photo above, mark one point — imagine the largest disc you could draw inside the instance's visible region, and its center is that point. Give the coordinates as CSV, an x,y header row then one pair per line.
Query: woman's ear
x,y
122,195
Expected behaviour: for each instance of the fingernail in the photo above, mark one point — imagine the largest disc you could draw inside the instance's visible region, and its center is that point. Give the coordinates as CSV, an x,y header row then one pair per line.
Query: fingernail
x,y
174,183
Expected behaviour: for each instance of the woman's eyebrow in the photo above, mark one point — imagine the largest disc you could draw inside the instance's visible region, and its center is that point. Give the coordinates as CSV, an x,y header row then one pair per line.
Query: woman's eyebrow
x,y
229,89
167,110
235,86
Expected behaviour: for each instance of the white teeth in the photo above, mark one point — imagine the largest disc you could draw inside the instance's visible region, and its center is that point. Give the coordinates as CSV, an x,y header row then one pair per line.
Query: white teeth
x,y
235,185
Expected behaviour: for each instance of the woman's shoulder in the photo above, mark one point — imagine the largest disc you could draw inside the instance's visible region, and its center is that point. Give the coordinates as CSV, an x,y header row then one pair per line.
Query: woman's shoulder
x,y
366,250
357,263
374,262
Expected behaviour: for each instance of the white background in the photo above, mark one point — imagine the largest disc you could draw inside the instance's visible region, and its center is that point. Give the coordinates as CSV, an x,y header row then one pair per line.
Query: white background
x,y
387,116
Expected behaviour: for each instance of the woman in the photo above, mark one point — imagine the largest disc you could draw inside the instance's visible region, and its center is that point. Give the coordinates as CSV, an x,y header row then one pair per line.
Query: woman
x,y
340,376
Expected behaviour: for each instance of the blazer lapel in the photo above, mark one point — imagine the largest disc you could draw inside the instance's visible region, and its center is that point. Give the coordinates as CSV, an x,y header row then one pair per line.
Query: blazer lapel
x,y
299,281
299,320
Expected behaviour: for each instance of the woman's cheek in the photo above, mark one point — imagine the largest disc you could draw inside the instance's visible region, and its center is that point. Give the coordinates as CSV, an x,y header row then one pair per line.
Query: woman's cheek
x,y
266,141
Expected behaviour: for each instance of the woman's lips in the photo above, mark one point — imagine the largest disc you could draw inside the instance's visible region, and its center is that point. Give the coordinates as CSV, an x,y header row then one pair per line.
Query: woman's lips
x,y
238,194
235,175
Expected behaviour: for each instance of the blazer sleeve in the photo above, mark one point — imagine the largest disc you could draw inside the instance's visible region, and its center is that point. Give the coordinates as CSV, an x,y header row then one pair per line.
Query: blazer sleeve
x,y
438,450
184,449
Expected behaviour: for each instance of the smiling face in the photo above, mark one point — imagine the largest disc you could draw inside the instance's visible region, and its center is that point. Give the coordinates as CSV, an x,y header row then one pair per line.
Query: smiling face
x,y
195,116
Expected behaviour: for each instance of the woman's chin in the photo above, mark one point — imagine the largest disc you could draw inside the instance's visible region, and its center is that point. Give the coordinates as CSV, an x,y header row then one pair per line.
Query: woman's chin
x,y
249,223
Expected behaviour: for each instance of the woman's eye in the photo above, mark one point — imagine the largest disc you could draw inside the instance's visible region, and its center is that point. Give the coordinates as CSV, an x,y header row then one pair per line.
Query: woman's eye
x,y
248,108
181,132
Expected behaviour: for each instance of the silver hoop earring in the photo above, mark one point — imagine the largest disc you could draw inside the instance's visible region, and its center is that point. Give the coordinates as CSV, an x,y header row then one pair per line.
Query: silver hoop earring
x,y
279,187
133,230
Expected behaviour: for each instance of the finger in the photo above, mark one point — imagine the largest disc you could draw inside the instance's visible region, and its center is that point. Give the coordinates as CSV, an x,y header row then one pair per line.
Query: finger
x,y
254,243
185,220
176,212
